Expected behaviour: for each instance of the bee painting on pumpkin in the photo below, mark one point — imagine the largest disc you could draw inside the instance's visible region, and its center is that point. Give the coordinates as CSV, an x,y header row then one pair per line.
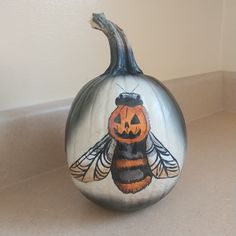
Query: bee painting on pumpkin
x,y
130,150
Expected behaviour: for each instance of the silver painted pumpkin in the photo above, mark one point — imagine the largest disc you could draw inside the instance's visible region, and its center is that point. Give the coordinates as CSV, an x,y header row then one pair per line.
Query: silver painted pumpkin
x,y
125,134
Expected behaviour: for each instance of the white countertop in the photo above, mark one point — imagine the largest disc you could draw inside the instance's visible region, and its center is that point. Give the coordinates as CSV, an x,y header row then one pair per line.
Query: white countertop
x,y
202,203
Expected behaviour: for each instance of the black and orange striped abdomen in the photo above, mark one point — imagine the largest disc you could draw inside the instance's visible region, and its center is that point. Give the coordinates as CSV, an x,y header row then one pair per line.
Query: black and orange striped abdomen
x,y
130,170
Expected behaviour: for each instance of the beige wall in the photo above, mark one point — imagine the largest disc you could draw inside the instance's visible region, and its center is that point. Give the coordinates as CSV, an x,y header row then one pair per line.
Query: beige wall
x,y
48,49
229,36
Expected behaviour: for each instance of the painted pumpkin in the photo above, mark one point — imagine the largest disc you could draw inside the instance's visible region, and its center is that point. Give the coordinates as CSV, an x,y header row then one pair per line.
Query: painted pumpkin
x,y
128,124
125,134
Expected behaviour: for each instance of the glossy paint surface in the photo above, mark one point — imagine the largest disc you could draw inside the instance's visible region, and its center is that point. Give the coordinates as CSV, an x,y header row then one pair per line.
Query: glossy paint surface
x,y
88,123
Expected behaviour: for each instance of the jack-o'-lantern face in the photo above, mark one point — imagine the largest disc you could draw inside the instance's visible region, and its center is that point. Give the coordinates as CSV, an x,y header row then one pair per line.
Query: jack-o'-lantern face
x,y
129,124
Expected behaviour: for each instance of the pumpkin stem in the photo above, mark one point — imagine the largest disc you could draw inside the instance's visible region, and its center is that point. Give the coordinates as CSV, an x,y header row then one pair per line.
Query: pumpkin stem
x,y
122,57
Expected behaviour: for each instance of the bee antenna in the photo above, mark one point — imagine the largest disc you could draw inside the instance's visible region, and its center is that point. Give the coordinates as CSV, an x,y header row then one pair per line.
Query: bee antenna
x,y
135,88
121,87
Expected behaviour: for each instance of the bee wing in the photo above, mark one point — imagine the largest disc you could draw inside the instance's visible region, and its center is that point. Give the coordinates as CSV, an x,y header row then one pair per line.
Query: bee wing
x,y
161,161
97,156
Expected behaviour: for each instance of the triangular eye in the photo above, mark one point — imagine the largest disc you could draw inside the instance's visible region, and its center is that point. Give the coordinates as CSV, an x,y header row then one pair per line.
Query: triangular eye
x,y
117,119
135,120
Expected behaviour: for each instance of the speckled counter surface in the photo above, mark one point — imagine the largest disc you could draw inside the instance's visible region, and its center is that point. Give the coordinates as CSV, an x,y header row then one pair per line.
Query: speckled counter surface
x,y
202,203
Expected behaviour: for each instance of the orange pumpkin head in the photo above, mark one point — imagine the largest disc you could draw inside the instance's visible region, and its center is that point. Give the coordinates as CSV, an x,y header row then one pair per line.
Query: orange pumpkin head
x,y
129,123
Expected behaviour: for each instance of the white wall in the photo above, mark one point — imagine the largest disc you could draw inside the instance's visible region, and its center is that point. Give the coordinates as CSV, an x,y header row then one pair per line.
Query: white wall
x,y
48,49
229,36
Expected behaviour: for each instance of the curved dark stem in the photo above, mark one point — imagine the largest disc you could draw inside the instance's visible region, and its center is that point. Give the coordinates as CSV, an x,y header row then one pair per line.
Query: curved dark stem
x,y
122,58
132,65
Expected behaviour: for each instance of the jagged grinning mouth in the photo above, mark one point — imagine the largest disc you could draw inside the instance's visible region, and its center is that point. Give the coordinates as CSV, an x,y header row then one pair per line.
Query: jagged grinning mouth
x,y
129,135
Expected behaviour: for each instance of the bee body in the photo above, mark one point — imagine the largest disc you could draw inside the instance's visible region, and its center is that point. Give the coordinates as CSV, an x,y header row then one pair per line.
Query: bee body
x,y
130,170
